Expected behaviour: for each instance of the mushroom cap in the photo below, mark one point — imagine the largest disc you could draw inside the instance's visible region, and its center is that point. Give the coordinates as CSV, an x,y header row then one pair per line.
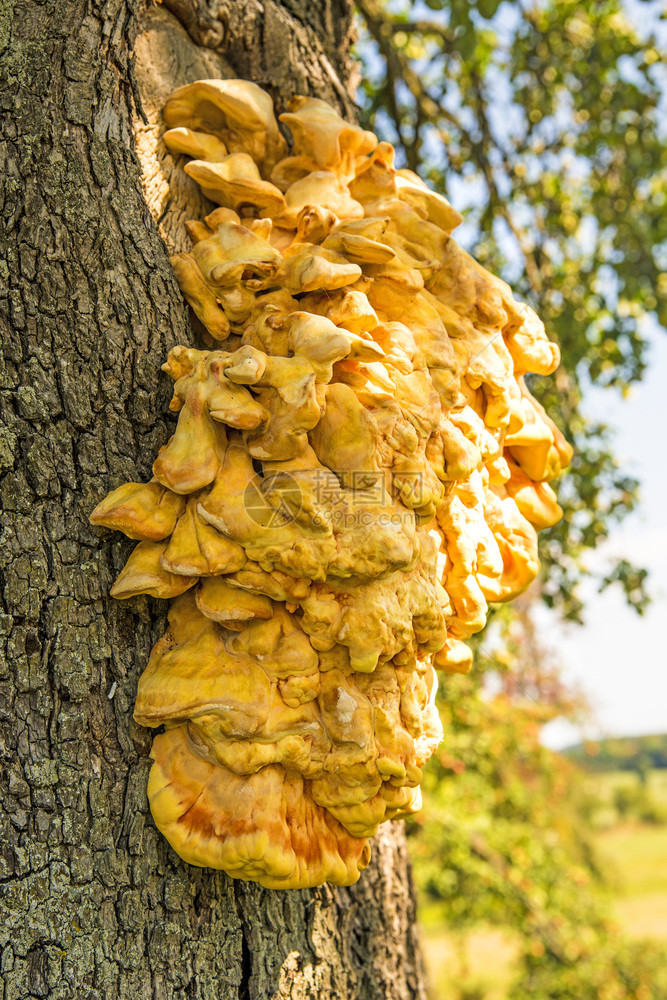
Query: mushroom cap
x,y
320,134
536,501
225,604
281,839
435,207
199,145
359,249
322,188
349,309
199,294
529,346
454,658
235,255
191,672
237,111
309,268
191,458
235,183
143,573
196,548
145,511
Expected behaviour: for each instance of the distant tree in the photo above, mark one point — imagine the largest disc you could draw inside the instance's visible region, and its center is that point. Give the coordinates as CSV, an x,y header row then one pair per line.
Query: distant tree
x,y
504,836
545,117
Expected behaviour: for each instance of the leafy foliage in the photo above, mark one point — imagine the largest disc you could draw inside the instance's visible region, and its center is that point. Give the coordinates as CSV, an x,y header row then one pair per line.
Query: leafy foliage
x,y
626,753
504,837
542,120
545,120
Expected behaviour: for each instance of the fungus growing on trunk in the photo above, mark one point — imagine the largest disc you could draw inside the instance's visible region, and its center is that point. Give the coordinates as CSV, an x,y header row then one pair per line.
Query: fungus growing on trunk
x,y
357,470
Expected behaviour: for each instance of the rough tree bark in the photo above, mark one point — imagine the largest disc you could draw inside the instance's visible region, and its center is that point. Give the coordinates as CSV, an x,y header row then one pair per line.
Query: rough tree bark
x,y
94,903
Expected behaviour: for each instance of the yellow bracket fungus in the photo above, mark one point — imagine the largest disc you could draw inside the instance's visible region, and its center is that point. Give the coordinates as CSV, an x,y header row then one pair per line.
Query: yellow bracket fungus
x,y
357,471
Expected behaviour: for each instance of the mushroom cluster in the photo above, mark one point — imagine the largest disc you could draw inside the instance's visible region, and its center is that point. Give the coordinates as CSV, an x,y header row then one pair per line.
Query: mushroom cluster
x,y
357,470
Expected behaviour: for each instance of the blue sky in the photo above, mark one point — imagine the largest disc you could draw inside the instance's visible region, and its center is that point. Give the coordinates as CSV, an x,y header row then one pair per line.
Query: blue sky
x,y
618,657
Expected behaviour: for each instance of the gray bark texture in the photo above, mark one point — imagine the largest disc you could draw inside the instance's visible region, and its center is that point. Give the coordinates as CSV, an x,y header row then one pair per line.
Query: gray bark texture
x,y
93,902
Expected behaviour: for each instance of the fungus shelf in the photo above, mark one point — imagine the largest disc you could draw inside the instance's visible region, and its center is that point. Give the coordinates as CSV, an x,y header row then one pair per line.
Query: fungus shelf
x,y
357,471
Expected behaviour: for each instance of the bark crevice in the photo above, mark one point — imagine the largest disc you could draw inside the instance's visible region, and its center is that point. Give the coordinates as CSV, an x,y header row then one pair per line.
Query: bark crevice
x,y
302,45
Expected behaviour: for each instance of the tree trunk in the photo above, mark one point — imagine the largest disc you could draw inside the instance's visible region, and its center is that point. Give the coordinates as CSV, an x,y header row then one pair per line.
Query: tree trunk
x,y
94,902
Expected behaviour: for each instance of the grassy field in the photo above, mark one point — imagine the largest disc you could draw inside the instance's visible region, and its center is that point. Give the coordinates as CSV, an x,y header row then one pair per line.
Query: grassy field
x,y
634,855
636,858
609,786
484,960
